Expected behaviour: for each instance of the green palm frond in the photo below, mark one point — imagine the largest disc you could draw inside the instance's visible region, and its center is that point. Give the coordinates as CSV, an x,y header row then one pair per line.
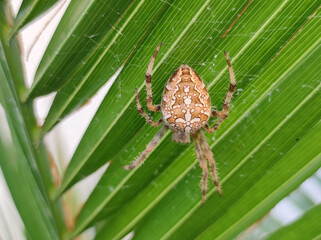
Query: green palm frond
x,y
266,148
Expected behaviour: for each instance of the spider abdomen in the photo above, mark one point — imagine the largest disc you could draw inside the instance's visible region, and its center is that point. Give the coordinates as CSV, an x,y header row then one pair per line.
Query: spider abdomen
x,y
186,104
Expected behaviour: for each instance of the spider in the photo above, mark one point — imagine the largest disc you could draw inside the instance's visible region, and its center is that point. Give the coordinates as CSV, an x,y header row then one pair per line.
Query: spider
x,y
185,108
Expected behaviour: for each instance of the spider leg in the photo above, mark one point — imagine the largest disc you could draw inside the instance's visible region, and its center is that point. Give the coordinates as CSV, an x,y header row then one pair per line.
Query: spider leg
x,y
148,77
204,151
209,129
222,115
203,164
215,113
149,148
145,115
209,156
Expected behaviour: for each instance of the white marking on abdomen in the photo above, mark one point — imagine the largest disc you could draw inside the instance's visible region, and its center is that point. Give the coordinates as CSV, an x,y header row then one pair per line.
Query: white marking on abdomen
x,y
207,113
195,120
180,120
188,101
188,116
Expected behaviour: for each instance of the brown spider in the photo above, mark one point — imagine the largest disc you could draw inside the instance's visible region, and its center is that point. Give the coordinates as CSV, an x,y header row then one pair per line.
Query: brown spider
x,y
186,108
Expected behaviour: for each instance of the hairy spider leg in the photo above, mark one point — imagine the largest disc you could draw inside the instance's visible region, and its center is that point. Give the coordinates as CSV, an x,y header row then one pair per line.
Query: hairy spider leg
x,y
204,152
149,148
145,115
210,158
148,77
203,164
222,115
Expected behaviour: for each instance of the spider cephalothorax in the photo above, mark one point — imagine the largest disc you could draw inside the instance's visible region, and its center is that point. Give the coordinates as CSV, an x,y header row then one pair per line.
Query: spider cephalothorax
x,y
186,108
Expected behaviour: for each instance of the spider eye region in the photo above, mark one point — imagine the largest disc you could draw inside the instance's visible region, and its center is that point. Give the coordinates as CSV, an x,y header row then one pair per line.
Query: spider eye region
x,y
186,104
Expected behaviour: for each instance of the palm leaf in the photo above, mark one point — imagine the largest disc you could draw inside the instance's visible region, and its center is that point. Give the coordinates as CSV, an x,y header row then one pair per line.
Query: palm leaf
x,y
265,149
257,116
